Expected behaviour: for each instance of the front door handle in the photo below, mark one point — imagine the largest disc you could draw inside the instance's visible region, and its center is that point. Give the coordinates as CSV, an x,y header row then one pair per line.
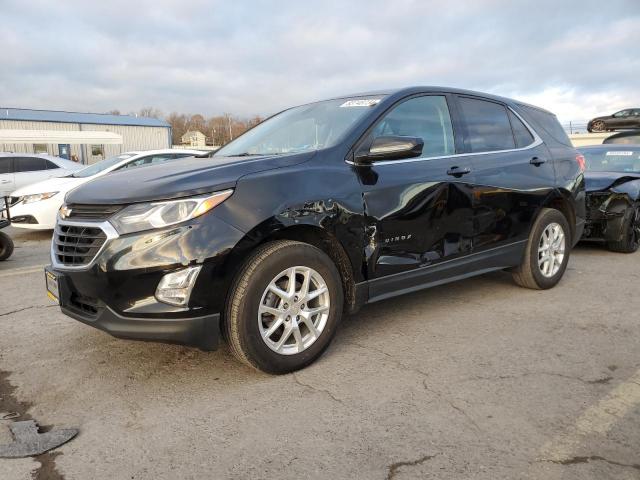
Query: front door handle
x,y
537,161
458,172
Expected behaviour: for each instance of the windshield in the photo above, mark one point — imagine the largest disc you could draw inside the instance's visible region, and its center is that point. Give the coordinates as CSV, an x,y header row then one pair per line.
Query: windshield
x,y
624,160
101,165
301,129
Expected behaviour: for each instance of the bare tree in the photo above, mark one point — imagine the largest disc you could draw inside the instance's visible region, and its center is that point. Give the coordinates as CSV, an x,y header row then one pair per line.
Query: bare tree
x,y
150,112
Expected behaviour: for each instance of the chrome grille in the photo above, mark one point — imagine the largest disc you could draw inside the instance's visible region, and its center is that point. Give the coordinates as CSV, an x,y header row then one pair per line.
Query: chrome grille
x,y
92,212
77,245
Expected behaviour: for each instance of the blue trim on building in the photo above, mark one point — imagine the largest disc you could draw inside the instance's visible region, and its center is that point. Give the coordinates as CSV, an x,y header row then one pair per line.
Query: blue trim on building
x,y
23,114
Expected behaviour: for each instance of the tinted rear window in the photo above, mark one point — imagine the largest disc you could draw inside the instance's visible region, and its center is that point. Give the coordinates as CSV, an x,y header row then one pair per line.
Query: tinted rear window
x,y
30,164
549,123
521,133
488,126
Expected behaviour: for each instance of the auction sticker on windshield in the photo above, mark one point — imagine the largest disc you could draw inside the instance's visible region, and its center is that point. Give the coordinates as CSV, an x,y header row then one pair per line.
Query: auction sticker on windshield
x,y
368,102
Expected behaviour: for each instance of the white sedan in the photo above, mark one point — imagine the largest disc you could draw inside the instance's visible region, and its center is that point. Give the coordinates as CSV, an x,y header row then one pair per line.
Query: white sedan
x,y
37,205
18,170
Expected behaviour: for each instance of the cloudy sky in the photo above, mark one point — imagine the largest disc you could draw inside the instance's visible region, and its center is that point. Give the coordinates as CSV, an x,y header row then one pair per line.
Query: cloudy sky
x,y
576,58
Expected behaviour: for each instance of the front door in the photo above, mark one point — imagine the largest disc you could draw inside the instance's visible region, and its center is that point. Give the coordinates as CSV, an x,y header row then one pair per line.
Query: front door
x,y
419,210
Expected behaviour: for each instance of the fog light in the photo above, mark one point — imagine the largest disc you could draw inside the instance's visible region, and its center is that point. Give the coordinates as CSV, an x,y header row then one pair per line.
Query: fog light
x,y
175,288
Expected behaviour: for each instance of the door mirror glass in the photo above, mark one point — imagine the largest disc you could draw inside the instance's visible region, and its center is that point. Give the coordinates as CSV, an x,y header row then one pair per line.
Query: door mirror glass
x,y
392,148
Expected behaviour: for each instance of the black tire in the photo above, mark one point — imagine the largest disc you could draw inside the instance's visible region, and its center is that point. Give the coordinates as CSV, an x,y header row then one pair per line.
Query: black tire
x,y
6,246
630,235
241,320
528,274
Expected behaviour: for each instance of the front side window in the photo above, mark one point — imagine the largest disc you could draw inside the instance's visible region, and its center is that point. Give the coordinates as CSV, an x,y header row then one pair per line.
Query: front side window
x,y
51,165
425,117
488,126
623,113
30,164
302,129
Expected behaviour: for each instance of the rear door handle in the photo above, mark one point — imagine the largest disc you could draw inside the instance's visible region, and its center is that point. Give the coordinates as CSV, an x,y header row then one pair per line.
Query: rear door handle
x,y
537,161
458,172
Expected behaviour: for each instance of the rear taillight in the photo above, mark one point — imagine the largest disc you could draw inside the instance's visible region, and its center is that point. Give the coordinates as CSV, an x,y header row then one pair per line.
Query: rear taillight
x,y
581,162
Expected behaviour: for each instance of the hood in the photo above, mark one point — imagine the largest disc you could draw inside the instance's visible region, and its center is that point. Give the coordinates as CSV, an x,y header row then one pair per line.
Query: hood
x,y
59,184
178,178
603,117
596,181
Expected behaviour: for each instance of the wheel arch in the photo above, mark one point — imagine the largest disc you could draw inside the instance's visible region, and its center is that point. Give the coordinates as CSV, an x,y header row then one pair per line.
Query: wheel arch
x,y
309,233
559,201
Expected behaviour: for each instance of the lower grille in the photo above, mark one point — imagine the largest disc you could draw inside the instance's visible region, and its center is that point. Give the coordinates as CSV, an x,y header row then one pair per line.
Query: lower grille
x,y
85,305
75,246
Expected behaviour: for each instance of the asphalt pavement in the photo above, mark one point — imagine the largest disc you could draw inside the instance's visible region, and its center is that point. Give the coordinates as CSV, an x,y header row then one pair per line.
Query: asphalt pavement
x,y
479,379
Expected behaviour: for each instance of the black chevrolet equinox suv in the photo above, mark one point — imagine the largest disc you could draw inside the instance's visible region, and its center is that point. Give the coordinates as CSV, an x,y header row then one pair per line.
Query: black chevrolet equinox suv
x,y
315,212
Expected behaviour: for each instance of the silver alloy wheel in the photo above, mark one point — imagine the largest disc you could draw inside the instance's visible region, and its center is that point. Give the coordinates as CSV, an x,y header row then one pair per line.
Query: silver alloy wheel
x,y
551,250
294,310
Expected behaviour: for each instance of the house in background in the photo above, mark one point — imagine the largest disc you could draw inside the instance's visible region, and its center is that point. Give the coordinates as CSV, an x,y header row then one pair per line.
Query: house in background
x,y
194,138
84,137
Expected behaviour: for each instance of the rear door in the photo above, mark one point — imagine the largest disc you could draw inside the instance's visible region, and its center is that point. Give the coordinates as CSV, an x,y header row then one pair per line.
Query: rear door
x,y
29,170
418,210
513,172
7,184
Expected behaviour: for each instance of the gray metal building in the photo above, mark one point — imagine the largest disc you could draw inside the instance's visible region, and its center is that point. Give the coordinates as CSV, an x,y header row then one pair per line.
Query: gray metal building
x,y
85,137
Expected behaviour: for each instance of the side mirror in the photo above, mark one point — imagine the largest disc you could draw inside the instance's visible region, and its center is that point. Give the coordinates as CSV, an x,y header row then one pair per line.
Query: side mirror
x,y
391,148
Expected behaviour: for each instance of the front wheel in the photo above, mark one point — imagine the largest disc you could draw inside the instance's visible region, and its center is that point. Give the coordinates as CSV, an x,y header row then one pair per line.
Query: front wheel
x,y
630,241
6,246
284,307
599,126
547,253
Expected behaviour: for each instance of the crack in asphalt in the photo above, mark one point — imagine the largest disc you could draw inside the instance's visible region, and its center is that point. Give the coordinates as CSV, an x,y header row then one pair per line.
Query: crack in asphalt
x,y
9,403
26,308
593,458
315,389
393,468
437,393
599,381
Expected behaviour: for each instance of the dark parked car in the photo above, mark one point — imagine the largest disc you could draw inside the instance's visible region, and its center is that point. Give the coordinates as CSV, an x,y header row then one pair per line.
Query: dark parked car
x,y
630,137
317,211
629,118
613,196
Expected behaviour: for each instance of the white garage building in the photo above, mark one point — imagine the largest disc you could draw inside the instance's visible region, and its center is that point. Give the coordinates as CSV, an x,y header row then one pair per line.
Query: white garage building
x,y
85,137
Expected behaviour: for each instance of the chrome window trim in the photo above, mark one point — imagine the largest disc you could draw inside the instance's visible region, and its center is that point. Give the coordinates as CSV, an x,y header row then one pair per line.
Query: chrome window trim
x,y
537,141
105,226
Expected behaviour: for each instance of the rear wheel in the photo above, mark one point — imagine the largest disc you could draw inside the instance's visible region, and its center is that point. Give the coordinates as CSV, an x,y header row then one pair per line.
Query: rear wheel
x,y
630,241
6,246
547,252
284,307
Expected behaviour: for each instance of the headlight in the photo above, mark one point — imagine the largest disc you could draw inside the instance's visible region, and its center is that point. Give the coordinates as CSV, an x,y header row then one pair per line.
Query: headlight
x,y
147,216
36,197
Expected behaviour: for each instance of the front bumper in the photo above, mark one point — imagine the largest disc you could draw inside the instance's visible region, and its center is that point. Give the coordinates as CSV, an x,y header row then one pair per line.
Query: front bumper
x,y
115,292
199,331
37,215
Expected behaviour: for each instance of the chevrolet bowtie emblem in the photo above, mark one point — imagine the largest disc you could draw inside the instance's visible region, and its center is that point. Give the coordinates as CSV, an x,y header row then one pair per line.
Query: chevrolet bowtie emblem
x,y
64,212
